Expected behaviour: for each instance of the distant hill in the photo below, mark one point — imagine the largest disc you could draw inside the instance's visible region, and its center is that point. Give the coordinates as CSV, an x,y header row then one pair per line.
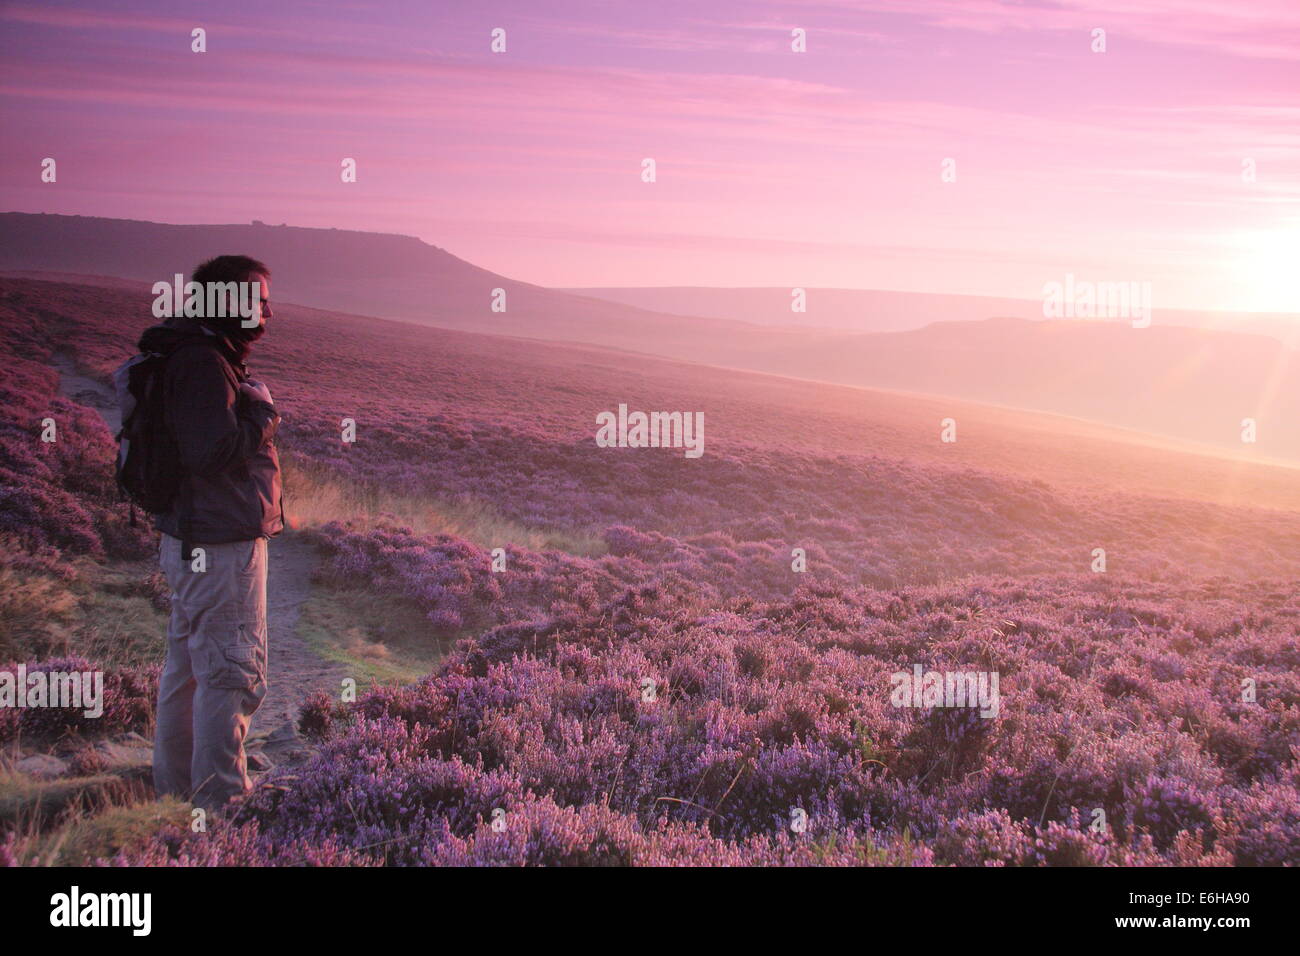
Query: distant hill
x,y
857,310
388,276
877,310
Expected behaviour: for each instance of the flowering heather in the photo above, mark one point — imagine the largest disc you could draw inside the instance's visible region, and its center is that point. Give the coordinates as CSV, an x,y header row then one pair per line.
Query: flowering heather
x,y
59,493
683,696
235,846
128,699
785,704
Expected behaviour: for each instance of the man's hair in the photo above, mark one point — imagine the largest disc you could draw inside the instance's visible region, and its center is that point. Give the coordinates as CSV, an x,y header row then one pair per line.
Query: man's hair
x,y
229,269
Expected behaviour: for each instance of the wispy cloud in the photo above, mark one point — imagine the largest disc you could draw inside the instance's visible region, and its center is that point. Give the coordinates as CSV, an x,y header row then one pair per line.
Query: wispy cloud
x,y
816,164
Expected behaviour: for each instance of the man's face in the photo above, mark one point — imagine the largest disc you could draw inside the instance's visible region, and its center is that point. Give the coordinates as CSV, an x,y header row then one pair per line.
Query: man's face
x,y
265,303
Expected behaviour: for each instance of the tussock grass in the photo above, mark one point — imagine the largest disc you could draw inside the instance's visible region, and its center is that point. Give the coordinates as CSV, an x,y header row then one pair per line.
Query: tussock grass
x,y
314,496
30,805
37,612
101,612
119,623
378,639
83,840
74,821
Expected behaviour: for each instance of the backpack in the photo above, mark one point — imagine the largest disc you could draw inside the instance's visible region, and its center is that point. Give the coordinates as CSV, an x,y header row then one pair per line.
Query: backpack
x,y
148,460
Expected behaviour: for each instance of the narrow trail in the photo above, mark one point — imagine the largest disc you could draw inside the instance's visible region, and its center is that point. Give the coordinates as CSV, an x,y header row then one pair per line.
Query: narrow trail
x,y
295,671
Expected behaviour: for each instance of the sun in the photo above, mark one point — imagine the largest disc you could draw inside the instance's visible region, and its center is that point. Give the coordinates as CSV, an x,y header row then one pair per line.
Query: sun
x,y
1268,270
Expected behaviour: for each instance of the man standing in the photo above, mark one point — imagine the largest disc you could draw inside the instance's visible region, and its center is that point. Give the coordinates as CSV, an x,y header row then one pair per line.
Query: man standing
x,y
214,540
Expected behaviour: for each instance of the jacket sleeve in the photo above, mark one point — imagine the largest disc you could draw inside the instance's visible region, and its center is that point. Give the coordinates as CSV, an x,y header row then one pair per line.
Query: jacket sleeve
x,y
215,428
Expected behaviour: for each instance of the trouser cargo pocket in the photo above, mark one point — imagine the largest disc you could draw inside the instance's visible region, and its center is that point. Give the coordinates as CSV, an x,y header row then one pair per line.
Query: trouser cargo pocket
x,y
241,664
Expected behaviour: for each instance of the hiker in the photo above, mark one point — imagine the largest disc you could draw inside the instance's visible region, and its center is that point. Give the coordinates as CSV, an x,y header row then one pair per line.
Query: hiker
x,y
214,539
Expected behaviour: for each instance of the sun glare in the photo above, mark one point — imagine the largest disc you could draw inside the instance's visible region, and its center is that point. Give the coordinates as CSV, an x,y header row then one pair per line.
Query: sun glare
x,y
1268,270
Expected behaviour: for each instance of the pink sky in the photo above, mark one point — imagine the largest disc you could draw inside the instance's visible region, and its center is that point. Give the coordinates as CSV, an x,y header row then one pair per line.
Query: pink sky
x,y
775,168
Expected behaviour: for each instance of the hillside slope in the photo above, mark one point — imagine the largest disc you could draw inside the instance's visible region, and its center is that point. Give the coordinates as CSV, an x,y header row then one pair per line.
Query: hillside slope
x,y
1195,385
1120,690
378,274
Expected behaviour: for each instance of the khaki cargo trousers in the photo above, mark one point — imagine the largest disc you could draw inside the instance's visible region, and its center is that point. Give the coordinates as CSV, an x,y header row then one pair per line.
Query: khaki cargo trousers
x,y
214,678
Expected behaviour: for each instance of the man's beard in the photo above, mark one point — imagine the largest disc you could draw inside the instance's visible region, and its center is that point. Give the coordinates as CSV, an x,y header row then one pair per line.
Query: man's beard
x,y
241,334
239,338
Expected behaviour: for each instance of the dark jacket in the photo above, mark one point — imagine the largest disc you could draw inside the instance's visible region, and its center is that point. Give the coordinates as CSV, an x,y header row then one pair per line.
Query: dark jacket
x,y
230,485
